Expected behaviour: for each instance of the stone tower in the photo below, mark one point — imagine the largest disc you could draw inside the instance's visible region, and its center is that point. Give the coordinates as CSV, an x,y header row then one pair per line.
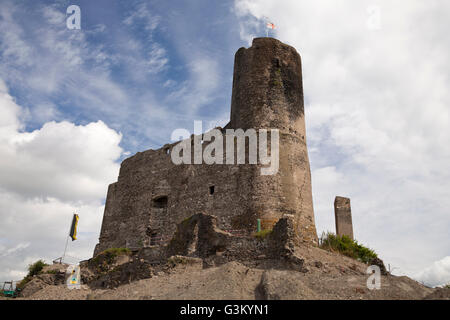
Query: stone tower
x,y
343,217
268,93
153,195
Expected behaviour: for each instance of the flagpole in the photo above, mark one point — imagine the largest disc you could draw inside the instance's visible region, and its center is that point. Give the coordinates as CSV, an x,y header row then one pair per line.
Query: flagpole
x,y
67,242
64,255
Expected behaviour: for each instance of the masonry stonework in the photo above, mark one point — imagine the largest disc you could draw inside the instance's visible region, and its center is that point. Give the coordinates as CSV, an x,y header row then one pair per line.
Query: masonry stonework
x,y
153,195
343,217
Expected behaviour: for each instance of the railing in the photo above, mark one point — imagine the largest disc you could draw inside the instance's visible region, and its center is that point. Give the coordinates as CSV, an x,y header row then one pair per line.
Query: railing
x,y
11,285
67,259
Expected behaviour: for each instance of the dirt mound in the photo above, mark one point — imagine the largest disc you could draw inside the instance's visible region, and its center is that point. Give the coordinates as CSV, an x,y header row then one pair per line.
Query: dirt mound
x,y
237,281
284,285
439,294
220,266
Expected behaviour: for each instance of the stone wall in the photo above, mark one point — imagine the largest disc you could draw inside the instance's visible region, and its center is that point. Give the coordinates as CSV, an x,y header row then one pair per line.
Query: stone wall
x,y
153,195
268,93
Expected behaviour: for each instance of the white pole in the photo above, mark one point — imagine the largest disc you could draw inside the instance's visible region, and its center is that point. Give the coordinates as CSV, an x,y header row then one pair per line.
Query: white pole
x,y
67,240
64,255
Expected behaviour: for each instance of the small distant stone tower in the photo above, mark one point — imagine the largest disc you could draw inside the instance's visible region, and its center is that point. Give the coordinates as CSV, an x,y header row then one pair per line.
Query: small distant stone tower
x,y
343,216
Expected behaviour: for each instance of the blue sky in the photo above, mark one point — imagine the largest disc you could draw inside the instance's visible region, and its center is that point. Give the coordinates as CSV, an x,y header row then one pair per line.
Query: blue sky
x,y
129,64
75,103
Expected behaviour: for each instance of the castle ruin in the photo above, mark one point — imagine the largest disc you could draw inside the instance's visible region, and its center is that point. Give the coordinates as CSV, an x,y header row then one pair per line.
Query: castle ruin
x,y
153,195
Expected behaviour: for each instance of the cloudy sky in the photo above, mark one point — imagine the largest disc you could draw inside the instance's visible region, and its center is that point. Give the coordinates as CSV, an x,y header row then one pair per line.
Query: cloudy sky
x,y
75,103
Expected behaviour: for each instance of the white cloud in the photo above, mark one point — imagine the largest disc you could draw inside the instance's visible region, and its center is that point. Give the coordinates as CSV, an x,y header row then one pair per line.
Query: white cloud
x,y
45,176
5,252
141,13
200,89
61,62
60,160
438,274
157,59
12,45
377,117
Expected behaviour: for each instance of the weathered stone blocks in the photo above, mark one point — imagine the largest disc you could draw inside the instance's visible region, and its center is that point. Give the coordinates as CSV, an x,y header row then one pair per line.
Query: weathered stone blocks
x,y
343,217
153,195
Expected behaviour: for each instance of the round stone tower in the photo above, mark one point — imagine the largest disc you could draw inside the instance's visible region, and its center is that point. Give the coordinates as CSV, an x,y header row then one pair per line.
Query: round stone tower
x,y
268,94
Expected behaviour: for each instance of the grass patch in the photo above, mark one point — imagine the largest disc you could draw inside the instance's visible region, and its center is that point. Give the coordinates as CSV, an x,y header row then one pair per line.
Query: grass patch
x,y
117,252
52,272
262,234
346,246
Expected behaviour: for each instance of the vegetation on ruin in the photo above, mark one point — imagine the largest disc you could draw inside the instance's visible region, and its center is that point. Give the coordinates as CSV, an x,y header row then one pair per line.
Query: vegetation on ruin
x,y
187,219
104,259
447,286
114,252
33,270
52,271
262,234
346,246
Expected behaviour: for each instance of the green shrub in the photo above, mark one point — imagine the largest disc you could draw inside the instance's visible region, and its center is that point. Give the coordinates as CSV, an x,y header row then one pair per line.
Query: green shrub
x,y
346,246
36,268
447,286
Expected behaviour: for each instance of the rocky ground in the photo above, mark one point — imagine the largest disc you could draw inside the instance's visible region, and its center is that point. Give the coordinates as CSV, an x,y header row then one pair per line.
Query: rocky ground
x,y
212,264
326,275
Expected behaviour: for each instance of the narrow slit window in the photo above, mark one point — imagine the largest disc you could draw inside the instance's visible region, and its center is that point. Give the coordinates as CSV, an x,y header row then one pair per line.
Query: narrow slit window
x,y
160,202
154,239
211,190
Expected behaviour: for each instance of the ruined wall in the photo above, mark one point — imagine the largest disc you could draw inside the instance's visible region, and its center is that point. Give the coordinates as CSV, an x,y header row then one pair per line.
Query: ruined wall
x,y
343,217
133,215
152,194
